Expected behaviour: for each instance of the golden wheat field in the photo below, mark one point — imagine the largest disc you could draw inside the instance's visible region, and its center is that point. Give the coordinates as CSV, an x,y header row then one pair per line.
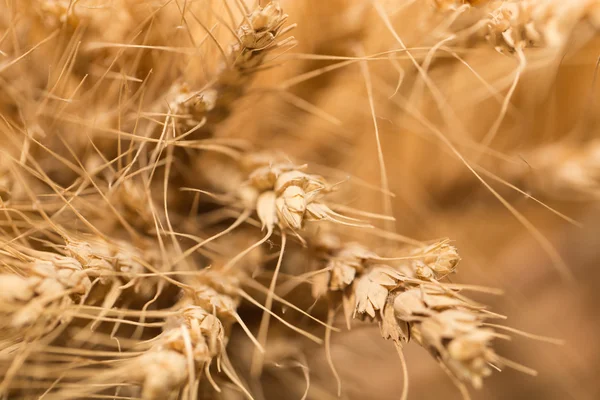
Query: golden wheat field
x,y
299,199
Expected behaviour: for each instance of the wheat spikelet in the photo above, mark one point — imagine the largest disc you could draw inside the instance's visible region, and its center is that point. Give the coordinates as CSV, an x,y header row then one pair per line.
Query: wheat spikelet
x,y
257,37
194,327
409,301
514,25
49,279
117,260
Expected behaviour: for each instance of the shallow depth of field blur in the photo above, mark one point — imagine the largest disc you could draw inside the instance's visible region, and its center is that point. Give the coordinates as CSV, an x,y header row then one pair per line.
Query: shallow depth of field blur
x,y
451,110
